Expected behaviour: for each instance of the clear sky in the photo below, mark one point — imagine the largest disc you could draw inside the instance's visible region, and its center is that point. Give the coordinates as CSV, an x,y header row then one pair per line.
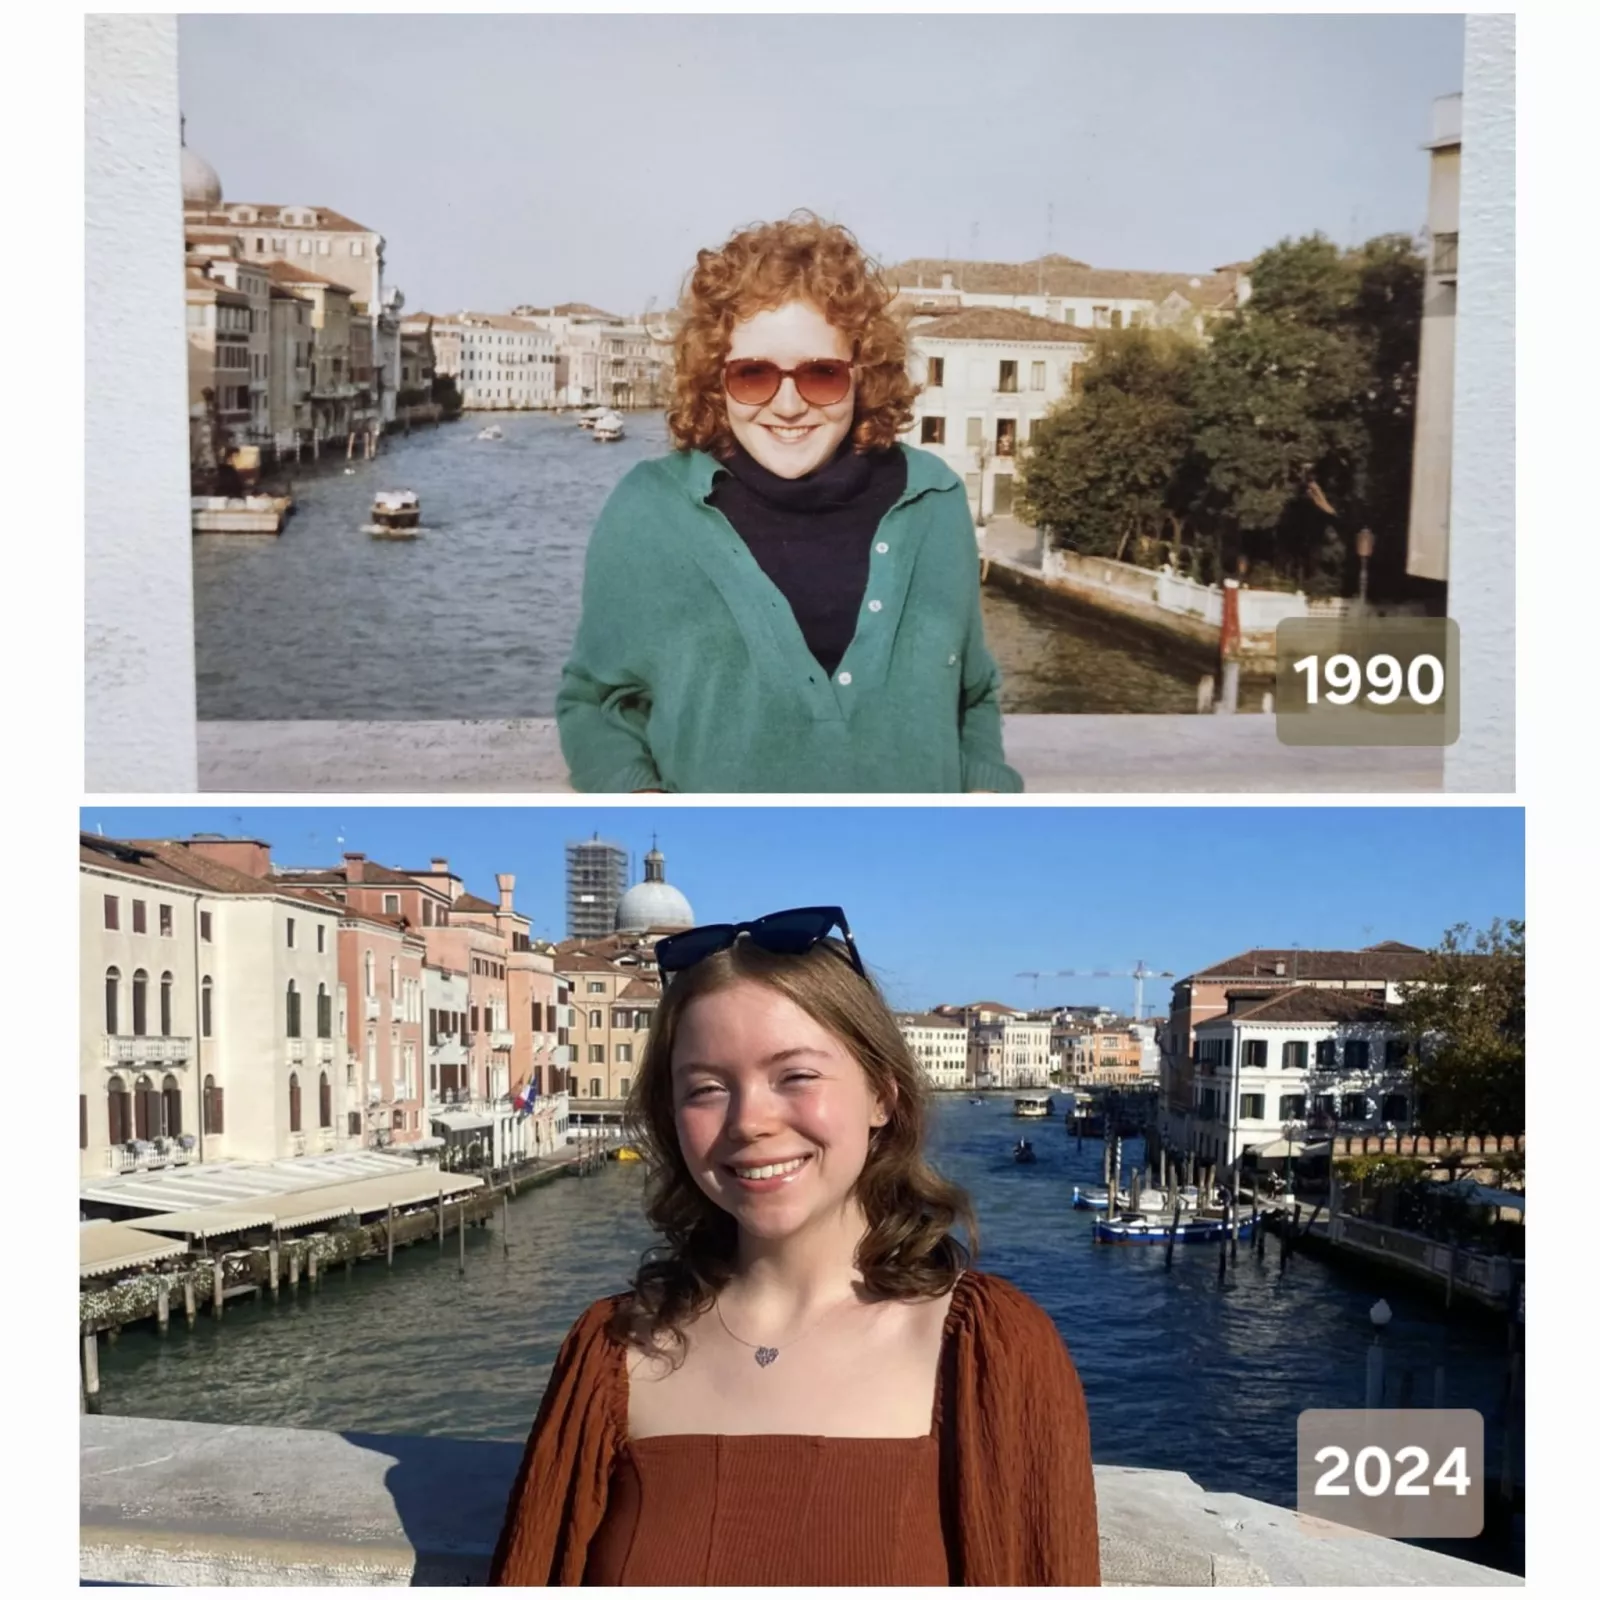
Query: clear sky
x,y
513,159
951,903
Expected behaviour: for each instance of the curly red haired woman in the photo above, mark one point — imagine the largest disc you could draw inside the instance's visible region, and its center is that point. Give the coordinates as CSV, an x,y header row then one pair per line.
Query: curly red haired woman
x,y
789,601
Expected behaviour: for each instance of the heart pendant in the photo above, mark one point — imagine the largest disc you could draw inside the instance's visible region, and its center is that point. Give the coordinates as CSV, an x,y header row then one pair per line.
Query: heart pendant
x,y
766,1355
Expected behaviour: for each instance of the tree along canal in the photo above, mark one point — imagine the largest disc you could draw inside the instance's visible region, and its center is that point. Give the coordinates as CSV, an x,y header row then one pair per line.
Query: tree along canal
x,y
1181,1371
475,618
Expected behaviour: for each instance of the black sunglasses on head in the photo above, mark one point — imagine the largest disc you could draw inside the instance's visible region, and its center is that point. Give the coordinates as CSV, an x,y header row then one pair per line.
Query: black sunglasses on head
x,y
784,933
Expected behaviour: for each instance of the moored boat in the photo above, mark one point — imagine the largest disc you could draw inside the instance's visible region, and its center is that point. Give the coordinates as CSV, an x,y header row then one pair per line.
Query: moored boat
x,y
1153,1229
1032,1105
608,427
251,513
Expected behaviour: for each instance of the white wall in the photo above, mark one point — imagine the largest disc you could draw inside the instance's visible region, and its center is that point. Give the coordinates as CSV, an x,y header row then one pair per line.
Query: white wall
x,y
139,691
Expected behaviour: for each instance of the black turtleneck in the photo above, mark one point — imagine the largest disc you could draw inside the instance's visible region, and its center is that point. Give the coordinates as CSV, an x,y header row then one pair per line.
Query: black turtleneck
x,y
812,536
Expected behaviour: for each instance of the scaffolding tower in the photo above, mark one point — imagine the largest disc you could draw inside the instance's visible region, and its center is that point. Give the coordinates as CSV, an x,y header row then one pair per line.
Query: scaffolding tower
x,y
597,876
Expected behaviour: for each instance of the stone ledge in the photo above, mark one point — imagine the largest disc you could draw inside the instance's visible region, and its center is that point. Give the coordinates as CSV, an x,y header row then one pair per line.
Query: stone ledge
x,y
1055,755
197,1503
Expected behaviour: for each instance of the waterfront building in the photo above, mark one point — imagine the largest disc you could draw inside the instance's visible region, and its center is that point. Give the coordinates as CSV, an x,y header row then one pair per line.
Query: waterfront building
x,y
601,358
1428,530
1298,1060
217,319
417,364
1377,972
207,1008
1006,1048
940,1045
290,339
615,992
503,363
597,876
319,241
444,337
987,377
216,255
331,393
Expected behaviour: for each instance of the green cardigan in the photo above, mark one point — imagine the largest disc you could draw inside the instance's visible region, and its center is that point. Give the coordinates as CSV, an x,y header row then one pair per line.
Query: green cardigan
x,y
690,673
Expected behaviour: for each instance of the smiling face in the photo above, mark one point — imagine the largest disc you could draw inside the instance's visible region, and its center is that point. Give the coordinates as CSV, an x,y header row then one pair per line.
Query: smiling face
x,y
773,1113
789,436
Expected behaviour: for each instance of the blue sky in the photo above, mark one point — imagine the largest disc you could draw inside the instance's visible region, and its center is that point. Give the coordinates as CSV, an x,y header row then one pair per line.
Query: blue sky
x,y
951,903
510,159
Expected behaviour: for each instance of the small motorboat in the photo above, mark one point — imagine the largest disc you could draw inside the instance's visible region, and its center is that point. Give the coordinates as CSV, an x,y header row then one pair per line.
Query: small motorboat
x,y
608,427
396,514
1023,1154
251,513
493,431
974,1102
628,1153
590,415
1032,1105
1152,1229
1095,1197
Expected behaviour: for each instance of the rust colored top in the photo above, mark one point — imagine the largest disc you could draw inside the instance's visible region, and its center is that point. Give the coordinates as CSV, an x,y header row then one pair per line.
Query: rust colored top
x,y
765,1508
1015,1483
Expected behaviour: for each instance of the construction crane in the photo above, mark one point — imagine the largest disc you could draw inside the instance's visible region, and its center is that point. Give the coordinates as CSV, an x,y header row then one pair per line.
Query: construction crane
x,y
1139,973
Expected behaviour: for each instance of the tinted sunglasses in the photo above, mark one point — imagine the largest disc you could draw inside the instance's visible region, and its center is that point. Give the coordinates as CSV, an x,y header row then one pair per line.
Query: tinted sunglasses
x,y
818,383
784,933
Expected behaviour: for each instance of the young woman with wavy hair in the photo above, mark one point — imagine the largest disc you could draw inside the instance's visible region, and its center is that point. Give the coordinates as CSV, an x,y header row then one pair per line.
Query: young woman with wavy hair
x,y
809,1383
789,600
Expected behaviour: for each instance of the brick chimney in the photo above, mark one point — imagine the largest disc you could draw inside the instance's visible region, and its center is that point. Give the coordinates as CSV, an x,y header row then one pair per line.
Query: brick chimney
x,y
355,866
249,856
506,881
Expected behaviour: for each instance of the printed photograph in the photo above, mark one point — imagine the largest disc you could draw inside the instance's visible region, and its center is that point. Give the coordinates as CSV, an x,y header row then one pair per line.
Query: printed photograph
x,y
681,404
665,1195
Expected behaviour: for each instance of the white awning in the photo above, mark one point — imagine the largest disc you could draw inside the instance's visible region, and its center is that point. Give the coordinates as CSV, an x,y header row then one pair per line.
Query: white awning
x,y
461,1121
115,1246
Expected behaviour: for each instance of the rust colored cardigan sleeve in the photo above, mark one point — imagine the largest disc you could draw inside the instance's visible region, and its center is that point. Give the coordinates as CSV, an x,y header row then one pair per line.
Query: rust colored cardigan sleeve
x,y
559,1497
1017,1479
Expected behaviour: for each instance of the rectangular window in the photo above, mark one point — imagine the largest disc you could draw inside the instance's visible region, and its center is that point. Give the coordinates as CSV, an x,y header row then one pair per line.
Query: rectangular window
x,y
624,1052
112,908
1394,1108
597,986
1357,1055
138,916
1036,376
1291,1108
1005,437
205,927
1008,378
594,1088
936,372
933,430
1252,1107
1102,316
597,1055
1396,1052
1116,319
1354,1108
322,939
1255,1052
1327,1053
83,1122
391,905
1069,316
974,432
1294,1055
288,926
164,919
1326,1105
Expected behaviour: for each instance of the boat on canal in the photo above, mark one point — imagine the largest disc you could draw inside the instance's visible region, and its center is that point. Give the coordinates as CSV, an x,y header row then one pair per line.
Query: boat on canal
x,y
1032,1105
1096,1197
1150,1228
590,415
608,427
493,431
251,513
1023,1153
396,514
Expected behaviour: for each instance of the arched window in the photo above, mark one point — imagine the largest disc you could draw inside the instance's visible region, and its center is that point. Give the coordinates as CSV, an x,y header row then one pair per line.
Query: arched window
x,y
294,1102
119,1114
205,1008
324,1012
371,974
145,1108
372,1055
166,1005
291,1008
141,984
211,1106
324,1103
113,1003
171,1107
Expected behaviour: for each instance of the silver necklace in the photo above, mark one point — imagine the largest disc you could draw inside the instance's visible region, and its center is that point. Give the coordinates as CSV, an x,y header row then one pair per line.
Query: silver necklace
x,y
766,1354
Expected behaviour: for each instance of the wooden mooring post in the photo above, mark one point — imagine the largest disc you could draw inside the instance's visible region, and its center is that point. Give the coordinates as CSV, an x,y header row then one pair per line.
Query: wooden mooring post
x,y
294,1270
188,1300
311,1264
1233,1227
505,1222
272,1265
441,1222
1172,1237
163,1306
388,1237
461,1239
216,1286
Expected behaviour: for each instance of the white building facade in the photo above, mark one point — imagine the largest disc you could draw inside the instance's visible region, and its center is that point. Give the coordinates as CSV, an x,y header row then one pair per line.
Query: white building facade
x,y
987,377
940,1046
1305,1062
503,363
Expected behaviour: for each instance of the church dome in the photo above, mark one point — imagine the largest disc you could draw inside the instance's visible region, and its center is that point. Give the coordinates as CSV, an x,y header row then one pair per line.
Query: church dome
x,y
201,185
653,903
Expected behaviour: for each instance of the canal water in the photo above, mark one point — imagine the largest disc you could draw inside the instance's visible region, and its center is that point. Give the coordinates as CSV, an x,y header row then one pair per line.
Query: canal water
x,y
1180,1372
475,618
